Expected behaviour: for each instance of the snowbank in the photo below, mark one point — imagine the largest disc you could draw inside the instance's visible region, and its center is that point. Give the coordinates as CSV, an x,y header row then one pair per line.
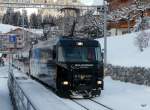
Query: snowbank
x,y
125,96
122,51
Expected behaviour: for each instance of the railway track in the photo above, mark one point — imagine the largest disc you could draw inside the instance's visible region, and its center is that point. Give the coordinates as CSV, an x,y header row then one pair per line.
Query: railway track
x,y
109,108
90,104
81,105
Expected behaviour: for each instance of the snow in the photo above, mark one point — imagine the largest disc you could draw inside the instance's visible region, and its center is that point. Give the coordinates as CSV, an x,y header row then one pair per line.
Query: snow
x,y
5,28
36,31
125,96
122,51
44,98
92,2
117,95
5,103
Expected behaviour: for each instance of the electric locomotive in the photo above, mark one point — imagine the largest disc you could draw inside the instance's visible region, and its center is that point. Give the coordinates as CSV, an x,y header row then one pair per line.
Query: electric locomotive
x,y
72,66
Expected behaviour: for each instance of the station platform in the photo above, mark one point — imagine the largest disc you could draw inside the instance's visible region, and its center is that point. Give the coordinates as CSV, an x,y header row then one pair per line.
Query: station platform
x,y
31,95
5,103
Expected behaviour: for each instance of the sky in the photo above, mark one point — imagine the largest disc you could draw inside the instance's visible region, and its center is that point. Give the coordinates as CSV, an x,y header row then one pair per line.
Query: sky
x,y
92,2
86,2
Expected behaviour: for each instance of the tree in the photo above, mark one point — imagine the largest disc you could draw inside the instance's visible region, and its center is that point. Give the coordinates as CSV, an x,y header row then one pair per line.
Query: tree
x,y
25,18
39,20
6,17
142,40
11,17
16,18
33,20
19,21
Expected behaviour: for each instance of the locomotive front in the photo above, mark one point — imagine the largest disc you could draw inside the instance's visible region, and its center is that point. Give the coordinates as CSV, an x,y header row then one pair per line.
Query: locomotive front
x,y
80,68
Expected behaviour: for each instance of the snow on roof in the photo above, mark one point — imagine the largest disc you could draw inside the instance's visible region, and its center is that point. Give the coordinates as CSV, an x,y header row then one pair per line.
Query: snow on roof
x,y
5,28
122,51
36,31
97,2
92,2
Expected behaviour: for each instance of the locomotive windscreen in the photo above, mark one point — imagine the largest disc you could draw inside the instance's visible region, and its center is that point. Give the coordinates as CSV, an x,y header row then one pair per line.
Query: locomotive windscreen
x,y
79,54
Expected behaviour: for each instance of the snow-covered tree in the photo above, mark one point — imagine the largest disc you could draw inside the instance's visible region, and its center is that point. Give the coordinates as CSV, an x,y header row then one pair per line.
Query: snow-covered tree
x,y
33,21
16,17
39,20
142,40
25,18
6,17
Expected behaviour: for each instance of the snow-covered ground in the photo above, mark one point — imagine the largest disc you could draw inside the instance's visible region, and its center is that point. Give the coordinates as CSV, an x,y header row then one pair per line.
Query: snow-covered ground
x,y
117,95
125,96
123,51
5,103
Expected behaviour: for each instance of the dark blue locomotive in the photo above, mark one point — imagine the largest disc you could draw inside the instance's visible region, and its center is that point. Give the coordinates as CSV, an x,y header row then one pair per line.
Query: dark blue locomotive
x,y
72,66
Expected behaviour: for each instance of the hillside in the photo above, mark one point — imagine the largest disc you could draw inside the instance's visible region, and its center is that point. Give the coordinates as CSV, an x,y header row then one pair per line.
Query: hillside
x,y
122,51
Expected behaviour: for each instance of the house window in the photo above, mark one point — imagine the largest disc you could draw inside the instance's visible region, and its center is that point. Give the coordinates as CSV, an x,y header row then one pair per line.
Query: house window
x,y
74,1
19,38
125,32
124,1
19,43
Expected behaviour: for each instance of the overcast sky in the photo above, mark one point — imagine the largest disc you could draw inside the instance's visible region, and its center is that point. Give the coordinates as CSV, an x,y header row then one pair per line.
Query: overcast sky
x,y
94,2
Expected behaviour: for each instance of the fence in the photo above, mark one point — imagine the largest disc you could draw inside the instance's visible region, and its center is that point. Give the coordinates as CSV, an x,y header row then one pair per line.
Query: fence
x,y
19,99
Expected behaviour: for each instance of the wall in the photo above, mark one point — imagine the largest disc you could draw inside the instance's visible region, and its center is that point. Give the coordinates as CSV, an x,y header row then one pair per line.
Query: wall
x,y
136,75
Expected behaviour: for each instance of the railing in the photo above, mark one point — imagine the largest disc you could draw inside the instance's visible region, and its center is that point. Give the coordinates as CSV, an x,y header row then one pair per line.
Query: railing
x,y
18,96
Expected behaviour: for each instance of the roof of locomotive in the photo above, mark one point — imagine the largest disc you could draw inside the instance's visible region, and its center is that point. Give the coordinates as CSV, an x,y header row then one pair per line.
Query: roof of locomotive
x,y
70,41
66,41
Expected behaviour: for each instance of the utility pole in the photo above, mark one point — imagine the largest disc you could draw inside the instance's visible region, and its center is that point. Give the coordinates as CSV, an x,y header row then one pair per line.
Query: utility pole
x,y
23,14
128,20
105,33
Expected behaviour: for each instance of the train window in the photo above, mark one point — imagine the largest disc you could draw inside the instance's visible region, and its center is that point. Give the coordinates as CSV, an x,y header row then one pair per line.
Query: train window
x,y
45,55
36,53
98,54
60,54
79,54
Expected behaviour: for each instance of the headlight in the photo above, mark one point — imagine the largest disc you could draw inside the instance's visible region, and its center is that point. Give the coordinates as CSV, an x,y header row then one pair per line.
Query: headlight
x,y
65,83
80,43
99,82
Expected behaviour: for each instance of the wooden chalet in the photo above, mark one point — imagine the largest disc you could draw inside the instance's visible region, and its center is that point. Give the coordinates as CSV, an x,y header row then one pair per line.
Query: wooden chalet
x,y
124,24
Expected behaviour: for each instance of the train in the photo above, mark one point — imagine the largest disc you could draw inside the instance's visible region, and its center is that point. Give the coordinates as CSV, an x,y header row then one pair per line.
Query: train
x,y
72,66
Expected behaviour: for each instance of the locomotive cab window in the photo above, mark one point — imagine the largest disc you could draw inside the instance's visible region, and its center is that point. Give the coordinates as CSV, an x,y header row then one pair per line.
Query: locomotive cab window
x,y
79,54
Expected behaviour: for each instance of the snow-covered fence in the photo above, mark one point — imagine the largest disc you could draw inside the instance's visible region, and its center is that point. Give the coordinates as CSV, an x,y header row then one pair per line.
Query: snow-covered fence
x,y
136,75
19,99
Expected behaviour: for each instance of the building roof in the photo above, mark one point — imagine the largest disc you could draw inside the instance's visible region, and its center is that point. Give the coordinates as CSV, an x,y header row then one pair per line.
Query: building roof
x,y
5,28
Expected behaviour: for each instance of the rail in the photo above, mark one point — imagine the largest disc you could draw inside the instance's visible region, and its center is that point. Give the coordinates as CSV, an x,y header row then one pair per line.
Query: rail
x,y
18,96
